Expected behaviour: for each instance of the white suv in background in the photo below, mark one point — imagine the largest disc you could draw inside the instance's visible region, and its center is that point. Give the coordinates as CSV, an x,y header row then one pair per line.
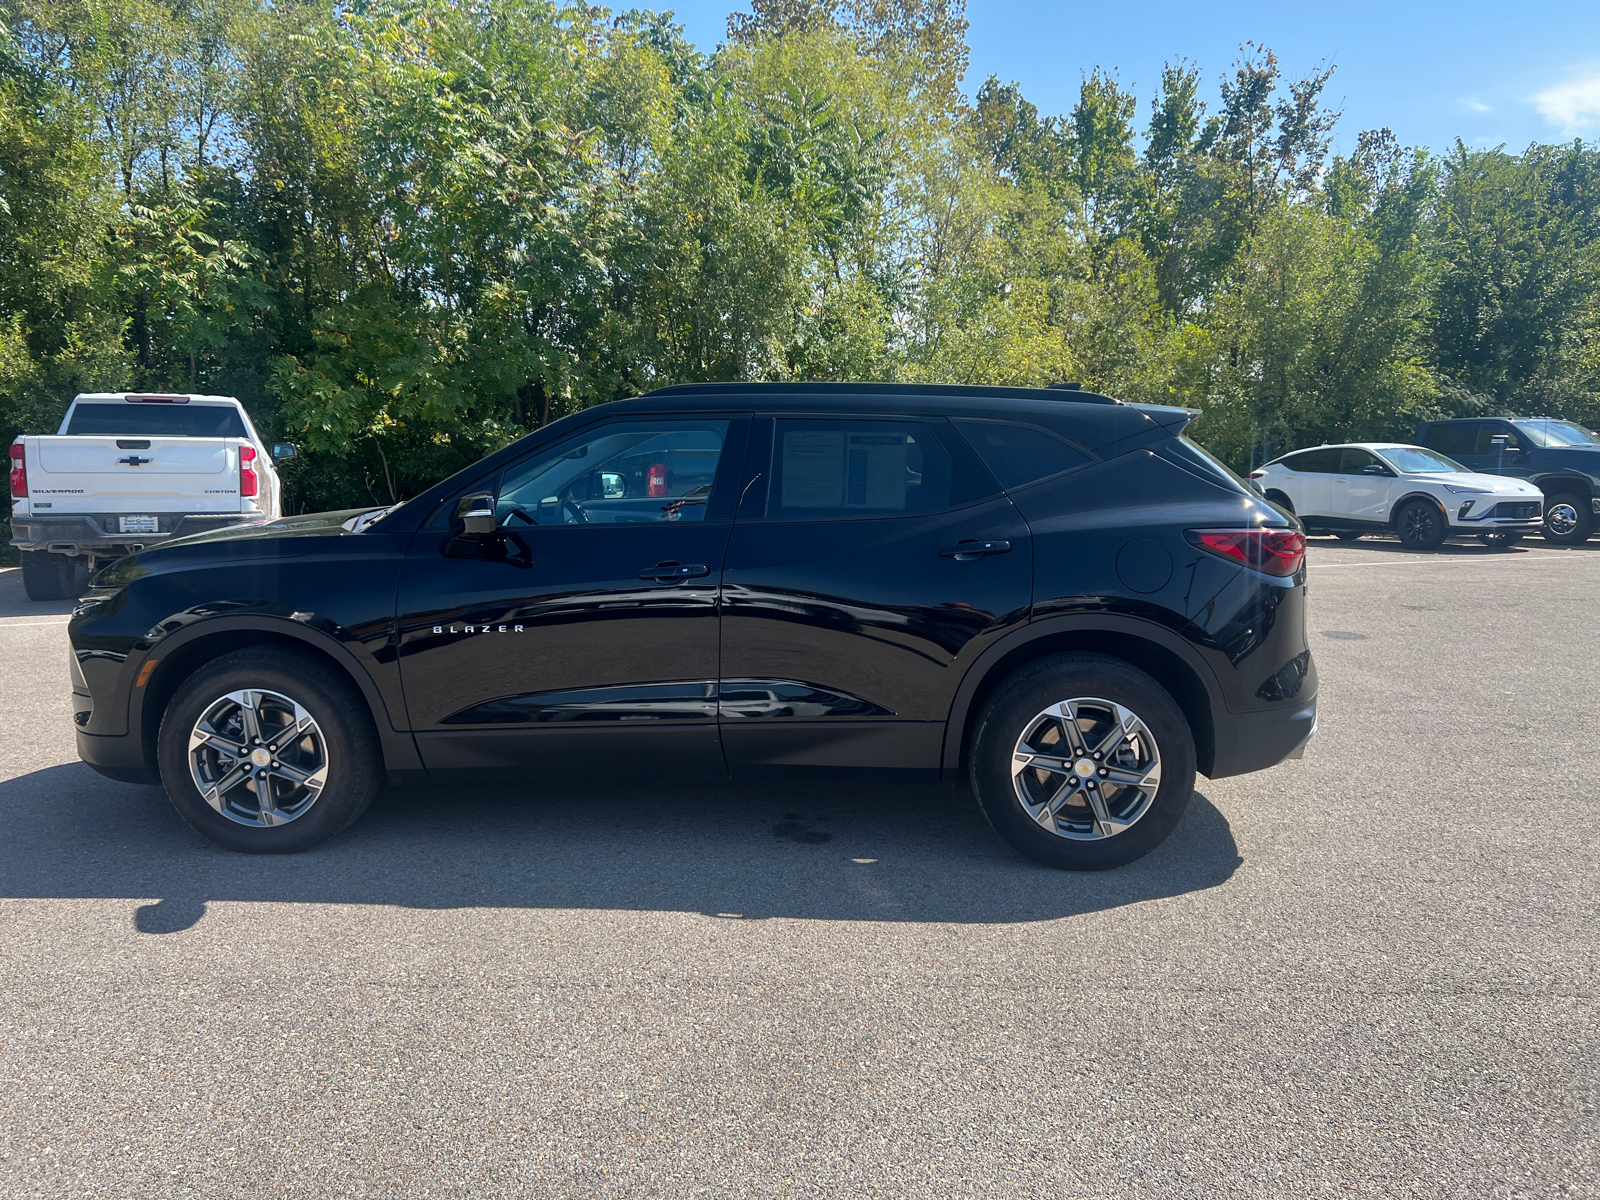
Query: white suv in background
x,y
1419,494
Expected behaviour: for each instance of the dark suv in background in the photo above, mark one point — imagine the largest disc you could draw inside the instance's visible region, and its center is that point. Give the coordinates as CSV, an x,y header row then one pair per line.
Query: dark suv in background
x,y
1050,593
1558,457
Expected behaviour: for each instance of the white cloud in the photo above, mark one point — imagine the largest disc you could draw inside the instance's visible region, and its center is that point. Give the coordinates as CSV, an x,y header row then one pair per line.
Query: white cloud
x,y
1574,106
1473,104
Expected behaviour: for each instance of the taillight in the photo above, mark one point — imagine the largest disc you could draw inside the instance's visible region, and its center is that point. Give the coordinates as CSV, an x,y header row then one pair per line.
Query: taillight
x,y
1271,551
19,473
1258,474
655,480
249,485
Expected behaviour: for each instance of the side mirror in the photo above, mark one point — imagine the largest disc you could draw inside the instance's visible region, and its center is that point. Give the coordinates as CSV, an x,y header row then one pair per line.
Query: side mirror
x,y
1376,469
478,519
284,450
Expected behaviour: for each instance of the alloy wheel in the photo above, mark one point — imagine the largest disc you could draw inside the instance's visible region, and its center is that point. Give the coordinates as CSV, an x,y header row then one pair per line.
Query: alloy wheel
x,y
1418,523
258,758
1086,769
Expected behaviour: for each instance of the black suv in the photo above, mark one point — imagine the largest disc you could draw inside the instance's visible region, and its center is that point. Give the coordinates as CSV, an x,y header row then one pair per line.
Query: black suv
x,y
1559,458
1048,592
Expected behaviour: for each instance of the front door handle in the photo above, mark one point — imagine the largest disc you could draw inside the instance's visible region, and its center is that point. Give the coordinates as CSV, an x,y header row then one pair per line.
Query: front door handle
x,y
671,572
971,549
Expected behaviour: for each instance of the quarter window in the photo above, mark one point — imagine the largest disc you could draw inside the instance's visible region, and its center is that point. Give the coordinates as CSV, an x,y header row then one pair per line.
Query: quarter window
x,y
1020,454
832,468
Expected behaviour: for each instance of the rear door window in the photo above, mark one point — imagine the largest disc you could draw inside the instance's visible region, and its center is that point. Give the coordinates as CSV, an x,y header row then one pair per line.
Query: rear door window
x,y
832,468
1312,462
1455,438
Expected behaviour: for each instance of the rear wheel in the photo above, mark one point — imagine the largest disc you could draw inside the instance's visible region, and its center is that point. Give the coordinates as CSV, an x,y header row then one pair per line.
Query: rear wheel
x,y
47,576
267,751
1281,499
1082,762
1567,519
1420,525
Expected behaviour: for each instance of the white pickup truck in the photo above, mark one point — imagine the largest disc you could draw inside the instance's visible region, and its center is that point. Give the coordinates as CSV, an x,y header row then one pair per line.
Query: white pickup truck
x,y
127,470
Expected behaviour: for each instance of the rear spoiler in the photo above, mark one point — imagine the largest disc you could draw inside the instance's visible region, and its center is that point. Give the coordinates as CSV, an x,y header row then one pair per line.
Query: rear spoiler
x,y
1170,417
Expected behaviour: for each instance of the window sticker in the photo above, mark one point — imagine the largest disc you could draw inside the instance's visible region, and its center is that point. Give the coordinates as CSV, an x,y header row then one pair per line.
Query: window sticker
x,y
835,469
813,469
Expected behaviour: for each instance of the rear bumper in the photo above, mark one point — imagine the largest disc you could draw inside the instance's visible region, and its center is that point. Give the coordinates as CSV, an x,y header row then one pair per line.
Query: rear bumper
x,y
98,533
1257,740
119,758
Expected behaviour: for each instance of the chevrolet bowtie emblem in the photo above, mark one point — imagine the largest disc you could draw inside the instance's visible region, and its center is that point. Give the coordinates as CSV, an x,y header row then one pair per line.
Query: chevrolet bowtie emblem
x,y
133,460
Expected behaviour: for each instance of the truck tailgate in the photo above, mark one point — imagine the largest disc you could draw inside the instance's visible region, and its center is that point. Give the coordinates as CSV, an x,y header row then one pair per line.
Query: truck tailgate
x,y
77,474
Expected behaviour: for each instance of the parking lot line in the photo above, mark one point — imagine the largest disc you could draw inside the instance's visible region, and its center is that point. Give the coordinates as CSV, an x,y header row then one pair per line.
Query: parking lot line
x,y
1451,561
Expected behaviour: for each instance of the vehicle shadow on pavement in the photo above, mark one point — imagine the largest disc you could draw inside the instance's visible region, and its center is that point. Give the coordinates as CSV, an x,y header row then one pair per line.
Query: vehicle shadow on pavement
x,y
823,851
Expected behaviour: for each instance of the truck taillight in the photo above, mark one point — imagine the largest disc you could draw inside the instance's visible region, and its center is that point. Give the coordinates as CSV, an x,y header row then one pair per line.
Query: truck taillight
x,y
19,473
249,484
655,479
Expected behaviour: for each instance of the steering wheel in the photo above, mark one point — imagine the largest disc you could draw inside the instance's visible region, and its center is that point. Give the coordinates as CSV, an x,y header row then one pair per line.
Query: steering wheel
x,y
579,517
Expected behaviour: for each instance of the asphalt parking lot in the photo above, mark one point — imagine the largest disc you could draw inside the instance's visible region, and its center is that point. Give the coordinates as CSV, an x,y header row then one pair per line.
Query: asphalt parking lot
x,y
1371,972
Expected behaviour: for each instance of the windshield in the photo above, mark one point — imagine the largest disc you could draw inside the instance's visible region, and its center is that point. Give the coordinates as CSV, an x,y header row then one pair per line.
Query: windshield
x,y
120,419
1556,433
1414,460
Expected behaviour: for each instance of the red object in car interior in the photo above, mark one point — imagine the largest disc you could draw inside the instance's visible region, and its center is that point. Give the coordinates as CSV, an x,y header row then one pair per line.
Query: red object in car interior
x,y
19,474
249,484
1270,551
655,479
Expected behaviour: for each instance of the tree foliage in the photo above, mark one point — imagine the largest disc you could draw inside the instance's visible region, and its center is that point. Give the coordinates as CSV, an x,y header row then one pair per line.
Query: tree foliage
x,y
406,231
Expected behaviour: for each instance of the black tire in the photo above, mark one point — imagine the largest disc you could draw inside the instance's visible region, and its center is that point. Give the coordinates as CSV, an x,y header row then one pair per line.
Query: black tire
x,y
1024,697
47,576
1568,520
1347,535
348,744
1499,541
1421,525
1281,499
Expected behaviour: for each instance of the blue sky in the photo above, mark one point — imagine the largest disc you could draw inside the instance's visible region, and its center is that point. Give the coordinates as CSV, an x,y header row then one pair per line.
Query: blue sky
x,y
1488,73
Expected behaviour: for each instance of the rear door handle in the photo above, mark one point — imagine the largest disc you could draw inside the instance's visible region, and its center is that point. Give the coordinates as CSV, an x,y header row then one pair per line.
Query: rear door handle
x,y
671,572
971,549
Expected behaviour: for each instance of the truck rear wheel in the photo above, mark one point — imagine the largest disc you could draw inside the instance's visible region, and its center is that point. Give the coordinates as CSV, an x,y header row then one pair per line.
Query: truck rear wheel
x,y
47,576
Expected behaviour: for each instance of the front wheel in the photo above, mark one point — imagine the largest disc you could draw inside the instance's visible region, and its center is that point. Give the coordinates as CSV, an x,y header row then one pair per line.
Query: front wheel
x,y
1082,762
268,751
1567,519
1421,526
